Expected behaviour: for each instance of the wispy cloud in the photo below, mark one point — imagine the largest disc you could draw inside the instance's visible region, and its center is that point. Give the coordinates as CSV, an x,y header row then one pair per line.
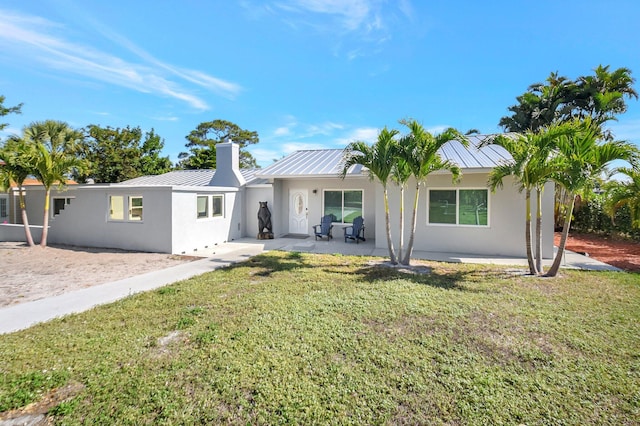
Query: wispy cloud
x,y
365,134
367,22
32,38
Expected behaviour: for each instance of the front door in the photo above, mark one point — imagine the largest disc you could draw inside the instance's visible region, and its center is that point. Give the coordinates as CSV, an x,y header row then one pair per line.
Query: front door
x,y
298,211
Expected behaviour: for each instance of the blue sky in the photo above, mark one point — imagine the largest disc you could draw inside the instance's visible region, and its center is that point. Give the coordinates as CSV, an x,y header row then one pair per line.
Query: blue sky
x,y
304,74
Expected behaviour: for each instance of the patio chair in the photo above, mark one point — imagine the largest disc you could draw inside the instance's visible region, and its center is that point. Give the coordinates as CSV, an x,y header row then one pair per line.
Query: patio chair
x,y
325,227
355,231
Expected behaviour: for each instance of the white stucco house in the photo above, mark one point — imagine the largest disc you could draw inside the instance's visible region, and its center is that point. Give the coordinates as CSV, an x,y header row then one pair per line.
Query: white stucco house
x,y
182,211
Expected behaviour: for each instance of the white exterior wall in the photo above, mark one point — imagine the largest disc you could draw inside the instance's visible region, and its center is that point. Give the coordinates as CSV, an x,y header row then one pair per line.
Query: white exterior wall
x,y
191,233
85,221
315,202
504,234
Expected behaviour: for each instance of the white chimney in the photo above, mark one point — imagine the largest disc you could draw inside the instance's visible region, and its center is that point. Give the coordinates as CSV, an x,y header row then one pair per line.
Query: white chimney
x,y
227,166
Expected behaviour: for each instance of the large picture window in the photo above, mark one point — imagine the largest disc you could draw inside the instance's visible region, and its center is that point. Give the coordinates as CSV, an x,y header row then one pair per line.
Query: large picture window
x,y
344,205
459,206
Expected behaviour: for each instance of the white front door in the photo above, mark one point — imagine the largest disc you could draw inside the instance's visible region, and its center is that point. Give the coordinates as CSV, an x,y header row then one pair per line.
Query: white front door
x,y
298,211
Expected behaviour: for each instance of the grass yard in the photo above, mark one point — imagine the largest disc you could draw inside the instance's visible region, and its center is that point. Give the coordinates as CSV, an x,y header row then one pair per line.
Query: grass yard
x,y
297,338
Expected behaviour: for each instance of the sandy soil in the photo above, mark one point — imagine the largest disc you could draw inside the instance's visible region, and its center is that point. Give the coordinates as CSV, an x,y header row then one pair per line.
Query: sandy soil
x,y
33,273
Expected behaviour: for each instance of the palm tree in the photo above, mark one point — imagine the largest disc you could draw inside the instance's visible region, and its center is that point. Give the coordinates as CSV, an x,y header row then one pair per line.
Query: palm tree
x,y
419,151
533,163
55,142
626,193
379,159
17,157
584,157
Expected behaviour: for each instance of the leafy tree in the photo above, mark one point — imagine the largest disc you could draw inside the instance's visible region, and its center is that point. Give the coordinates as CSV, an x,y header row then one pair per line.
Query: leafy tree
x,y
626,193
8,110
584,157
116,155
17,157
599,97
532,165
419,154
55,144
202,142
379,159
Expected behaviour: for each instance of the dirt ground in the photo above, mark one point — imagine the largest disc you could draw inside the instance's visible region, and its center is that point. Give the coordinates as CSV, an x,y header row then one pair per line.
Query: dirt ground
x,y
620,253
33,273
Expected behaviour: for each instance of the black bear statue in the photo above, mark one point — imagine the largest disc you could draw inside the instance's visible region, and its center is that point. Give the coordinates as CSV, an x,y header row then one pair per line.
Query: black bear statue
x,y
264,222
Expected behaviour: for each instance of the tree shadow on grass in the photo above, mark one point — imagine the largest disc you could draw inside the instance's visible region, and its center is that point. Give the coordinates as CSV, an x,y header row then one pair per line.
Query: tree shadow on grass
x,y
458,279
266,264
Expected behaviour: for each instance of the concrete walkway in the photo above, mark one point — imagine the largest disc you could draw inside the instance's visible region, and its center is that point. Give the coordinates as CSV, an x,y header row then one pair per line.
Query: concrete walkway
x,y
24,315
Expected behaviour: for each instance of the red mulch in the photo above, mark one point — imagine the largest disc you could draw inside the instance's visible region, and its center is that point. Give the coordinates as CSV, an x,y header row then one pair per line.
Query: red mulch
x,y
620,253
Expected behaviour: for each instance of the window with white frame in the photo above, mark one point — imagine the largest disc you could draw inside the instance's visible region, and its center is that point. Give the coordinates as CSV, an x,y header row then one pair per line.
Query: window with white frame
x,y
116,207
458,207
58,204
125,208
135,208
218,205
202,206
344,204
213,203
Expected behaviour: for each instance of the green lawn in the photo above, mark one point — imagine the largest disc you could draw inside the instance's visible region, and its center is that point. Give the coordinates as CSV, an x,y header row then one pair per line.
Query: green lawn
x,y
297,338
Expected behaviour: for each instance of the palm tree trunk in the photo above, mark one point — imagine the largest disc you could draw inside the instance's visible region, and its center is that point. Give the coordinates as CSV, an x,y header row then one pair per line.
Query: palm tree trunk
x,y
539,230
414,221
401,241
527,235
25,220
555,267
392,252
45,220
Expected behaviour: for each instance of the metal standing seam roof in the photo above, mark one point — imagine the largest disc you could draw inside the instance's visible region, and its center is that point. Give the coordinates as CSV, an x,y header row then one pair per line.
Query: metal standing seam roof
x,y
319,162
328,162
188,178
325,163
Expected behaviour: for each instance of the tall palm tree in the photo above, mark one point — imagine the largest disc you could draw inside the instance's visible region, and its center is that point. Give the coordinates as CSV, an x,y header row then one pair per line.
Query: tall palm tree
x,y
400,175
55,142
419,150
584,157
626,193
379,159
17,157
533,163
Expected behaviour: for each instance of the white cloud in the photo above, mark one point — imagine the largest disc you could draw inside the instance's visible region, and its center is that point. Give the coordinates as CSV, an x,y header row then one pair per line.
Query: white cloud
x,y
10,131
365,134
439,128
166,118
32,39
352,13
282,131
360,22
